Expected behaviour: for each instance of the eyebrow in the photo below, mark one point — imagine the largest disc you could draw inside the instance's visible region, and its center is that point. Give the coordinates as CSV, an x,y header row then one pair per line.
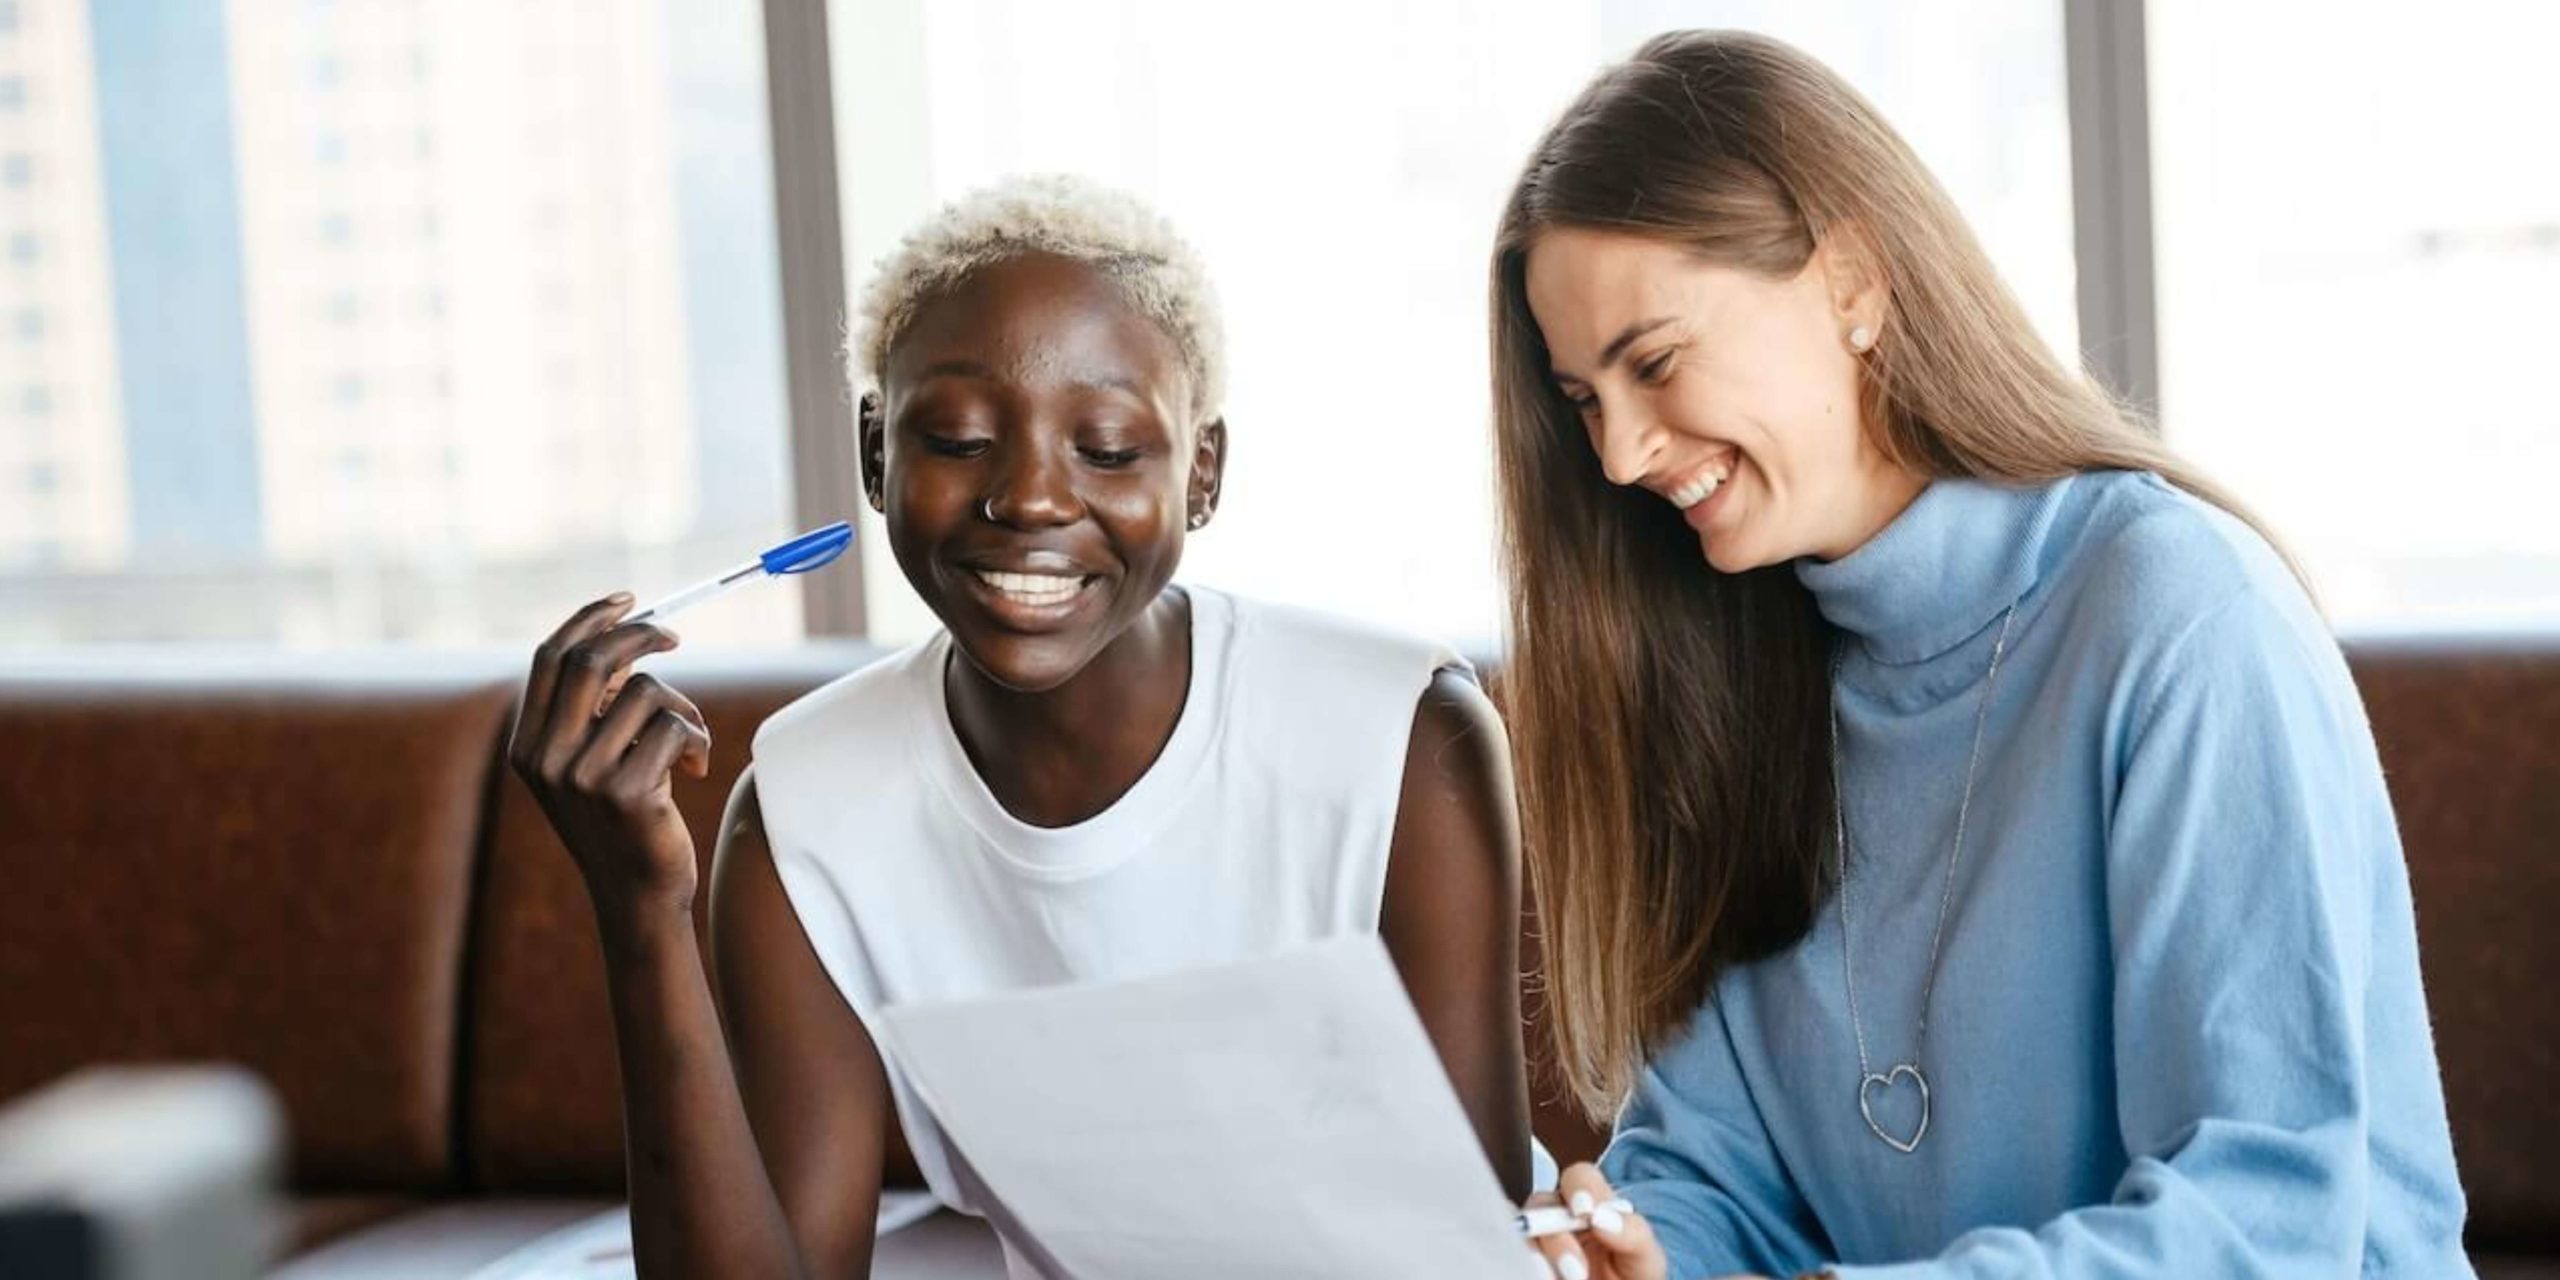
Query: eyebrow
x,y
1111,382
956,369
1618,345
978,372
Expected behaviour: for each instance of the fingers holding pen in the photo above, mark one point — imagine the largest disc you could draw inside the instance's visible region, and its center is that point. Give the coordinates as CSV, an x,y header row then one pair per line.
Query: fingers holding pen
x,y
619,734
1587,1231
588,670
578,673
1621,1242
533,714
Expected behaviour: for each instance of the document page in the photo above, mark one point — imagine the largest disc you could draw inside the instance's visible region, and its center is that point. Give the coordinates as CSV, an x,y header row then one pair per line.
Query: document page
x,y
599,1248
1282,1117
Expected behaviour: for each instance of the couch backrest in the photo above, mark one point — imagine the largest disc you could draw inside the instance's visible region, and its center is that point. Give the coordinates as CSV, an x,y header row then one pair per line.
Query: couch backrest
x,y
270,869
2470,740
329,877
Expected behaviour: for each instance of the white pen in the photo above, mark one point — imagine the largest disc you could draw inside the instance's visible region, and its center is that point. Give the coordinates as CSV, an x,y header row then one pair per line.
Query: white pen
x,y
800,555
1556,1220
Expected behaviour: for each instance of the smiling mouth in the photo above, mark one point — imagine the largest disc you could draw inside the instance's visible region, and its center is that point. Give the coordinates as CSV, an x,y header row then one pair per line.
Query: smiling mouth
x,y
1033,590
1702,486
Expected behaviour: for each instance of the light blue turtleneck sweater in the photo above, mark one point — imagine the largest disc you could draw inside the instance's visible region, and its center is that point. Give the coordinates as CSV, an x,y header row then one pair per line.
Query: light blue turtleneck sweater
x,y
2178,1028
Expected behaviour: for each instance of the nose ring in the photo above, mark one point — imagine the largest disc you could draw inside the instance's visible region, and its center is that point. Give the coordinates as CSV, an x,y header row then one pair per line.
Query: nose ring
x,y
987,510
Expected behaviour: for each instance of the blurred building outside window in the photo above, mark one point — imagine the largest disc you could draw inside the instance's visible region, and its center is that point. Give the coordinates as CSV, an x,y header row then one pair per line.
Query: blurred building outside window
x,y
383,321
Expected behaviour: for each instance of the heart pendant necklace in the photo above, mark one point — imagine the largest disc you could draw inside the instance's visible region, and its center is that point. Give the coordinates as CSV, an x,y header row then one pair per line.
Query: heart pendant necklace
x,y
1872,1083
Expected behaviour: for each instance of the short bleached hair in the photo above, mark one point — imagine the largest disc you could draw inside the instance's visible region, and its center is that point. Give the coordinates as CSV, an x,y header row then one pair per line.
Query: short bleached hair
x,y
1107,229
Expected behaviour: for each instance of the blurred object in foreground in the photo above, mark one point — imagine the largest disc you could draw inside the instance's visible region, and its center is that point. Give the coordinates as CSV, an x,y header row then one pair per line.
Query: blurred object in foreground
x,y
140,1173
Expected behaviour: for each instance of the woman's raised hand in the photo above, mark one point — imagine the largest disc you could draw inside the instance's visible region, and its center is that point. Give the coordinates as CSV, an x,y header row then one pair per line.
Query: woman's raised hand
x,y
599,747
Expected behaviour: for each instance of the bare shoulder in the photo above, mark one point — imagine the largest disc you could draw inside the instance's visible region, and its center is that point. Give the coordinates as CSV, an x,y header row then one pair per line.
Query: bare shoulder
x,y
754,929
742,838
743,818
1455,727
1457,797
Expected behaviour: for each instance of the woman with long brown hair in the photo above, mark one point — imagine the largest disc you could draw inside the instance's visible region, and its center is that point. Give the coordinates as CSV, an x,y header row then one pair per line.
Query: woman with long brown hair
x,y
1960,846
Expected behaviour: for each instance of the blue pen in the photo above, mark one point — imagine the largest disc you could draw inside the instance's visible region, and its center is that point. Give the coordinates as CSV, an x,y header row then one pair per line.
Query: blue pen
x,y
800,555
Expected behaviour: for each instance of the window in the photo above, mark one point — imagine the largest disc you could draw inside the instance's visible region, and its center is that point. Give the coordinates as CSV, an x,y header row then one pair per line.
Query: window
x,y
1341,165
306,381
561,314
2357,247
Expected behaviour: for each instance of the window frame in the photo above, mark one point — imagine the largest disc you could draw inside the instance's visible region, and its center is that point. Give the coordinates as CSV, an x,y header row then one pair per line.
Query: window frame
x,y
2104,69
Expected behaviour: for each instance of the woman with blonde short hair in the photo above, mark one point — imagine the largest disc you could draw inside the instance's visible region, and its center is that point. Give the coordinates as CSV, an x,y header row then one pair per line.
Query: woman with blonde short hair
x,y
1088,773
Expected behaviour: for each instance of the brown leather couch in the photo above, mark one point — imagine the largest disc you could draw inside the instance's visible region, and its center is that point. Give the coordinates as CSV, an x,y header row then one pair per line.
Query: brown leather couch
x,y
320,869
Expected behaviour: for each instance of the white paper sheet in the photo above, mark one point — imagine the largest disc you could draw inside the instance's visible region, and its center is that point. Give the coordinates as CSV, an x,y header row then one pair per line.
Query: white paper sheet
x,y
1285,1117
600,1247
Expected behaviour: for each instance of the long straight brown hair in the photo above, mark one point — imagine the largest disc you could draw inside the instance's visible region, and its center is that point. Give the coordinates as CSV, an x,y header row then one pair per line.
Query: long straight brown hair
x,y
1668,721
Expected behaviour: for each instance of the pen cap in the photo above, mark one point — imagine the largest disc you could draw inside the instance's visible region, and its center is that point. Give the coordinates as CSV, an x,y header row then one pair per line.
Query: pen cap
x,y
809,550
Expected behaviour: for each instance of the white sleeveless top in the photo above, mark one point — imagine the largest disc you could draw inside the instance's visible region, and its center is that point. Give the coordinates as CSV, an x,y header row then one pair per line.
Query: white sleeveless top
x,y
1264,823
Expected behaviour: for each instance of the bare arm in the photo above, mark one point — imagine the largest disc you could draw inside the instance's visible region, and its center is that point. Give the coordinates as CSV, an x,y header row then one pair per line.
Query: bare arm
x,y
1451,918
601,763
812,1081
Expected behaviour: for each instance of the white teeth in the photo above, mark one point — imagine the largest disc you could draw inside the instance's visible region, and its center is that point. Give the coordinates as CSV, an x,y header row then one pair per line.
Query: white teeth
x,y
1696,491
1033,588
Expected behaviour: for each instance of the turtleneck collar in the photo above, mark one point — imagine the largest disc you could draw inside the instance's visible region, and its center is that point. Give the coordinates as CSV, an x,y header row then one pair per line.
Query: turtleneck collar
x,y
1942,571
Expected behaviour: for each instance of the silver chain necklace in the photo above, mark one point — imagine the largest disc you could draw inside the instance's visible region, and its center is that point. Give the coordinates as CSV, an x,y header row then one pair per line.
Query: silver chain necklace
x,y
1869,1079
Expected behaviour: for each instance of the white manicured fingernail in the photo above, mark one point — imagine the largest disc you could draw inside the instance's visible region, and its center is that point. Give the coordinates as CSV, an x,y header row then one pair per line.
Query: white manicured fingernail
x,y
1571,1267
1620,1204
1608,1221
1581,1203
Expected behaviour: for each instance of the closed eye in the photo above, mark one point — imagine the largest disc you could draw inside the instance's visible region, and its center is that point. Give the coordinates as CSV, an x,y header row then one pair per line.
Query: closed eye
x,y
1113,459
949,447
1654,371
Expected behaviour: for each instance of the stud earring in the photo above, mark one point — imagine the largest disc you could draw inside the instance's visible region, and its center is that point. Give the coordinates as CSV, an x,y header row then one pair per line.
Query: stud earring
x,y
1860,339
1199,518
